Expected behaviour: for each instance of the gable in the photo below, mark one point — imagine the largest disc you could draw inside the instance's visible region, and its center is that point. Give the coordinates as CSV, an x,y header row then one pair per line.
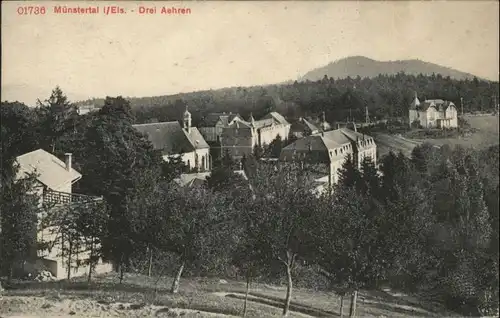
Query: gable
x,y
51,170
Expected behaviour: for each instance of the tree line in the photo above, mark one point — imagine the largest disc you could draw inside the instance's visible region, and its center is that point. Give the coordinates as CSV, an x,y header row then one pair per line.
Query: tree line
x,y
429,222
385,96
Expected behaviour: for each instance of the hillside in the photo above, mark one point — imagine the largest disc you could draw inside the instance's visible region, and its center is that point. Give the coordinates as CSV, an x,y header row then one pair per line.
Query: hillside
x,y
366,67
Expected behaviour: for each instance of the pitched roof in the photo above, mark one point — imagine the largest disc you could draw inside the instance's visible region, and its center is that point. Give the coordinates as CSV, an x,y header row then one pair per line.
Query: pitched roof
x,y
211,119
51,170
240,124
309,124
197,179
192,179
263,122
277,117
438,104
170,138
196,138
322,142
415,103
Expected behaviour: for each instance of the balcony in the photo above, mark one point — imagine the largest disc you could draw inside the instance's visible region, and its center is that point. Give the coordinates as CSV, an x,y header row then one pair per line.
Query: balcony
x,y
57,197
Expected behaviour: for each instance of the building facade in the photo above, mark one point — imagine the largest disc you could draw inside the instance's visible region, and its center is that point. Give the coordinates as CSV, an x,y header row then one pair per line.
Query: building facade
x,y
332,148
174,140
433,113
241,137
54,180
214,123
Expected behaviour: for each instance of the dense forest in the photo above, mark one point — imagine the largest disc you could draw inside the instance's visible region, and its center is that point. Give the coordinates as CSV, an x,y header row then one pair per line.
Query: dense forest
x,y
386,96
429,224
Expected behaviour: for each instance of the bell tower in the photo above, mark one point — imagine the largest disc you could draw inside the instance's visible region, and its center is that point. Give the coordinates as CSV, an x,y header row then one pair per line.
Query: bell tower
x,y
187,120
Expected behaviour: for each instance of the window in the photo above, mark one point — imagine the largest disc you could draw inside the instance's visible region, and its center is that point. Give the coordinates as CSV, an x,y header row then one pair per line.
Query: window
x,y
336,152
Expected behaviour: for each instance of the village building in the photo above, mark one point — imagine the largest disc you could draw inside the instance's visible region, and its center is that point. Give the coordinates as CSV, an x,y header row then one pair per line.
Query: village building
x,y
214,123
54,181
331,148
241,137
433,113
302,128
308,126
174,140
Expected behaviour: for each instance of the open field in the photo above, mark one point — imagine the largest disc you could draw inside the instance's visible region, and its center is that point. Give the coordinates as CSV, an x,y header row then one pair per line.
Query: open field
x,y
487,135
386,143
197,298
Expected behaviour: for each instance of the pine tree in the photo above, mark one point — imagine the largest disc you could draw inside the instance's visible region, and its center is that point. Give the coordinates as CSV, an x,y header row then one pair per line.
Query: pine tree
x,y
58,117
370,181
349,175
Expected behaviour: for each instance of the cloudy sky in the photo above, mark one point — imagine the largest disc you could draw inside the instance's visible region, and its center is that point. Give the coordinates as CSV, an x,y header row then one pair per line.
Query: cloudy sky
x,y
232,43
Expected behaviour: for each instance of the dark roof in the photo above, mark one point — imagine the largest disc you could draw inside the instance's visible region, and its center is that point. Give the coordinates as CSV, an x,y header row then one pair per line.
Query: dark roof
x,y
415,103
170,138
438,104
244,130
308,124
321,124
323,142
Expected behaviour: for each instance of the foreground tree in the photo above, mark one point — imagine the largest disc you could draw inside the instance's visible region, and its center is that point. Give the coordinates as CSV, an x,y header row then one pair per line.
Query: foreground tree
x,y
57,117
120,165
346,242
18,235
275,219
194,223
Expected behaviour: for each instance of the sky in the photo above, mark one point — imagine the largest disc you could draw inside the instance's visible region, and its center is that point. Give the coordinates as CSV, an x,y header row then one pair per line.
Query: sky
x,y
233,43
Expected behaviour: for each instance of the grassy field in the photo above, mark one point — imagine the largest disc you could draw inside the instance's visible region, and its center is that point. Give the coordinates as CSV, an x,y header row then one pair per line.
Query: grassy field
x,y
386,143
486,135
136,297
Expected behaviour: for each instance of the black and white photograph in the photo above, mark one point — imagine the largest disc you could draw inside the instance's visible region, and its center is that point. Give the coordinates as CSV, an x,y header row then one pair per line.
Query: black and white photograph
x,y
249,159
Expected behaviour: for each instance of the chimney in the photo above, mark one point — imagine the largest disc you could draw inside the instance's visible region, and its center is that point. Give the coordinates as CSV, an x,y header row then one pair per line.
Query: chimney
x,y
68,161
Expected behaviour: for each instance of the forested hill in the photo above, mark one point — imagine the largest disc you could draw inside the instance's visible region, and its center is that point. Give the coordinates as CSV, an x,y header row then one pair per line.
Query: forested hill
x,y
365,67
384,95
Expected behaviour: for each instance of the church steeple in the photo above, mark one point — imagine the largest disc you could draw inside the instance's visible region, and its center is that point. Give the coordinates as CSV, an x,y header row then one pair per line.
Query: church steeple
x,y
415,102
187,120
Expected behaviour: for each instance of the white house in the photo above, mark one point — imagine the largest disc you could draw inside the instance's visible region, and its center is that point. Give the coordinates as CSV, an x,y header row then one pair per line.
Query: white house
x,y
433,113
54,185
174,140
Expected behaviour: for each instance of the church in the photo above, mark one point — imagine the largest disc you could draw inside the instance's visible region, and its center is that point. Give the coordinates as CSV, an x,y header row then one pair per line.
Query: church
x,y
174,140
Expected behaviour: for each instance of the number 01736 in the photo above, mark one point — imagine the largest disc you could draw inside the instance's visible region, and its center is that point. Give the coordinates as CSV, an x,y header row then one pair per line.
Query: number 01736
x,y
31,10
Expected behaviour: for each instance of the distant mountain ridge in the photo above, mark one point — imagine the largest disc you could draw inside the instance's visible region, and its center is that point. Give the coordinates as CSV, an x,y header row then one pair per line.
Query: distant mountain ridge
x,y
365,67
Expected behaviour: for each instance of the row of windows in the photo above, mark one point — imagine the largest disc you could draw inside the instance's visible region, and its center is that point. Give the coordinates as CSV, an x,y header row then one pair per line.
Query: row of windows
x,y
366,142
